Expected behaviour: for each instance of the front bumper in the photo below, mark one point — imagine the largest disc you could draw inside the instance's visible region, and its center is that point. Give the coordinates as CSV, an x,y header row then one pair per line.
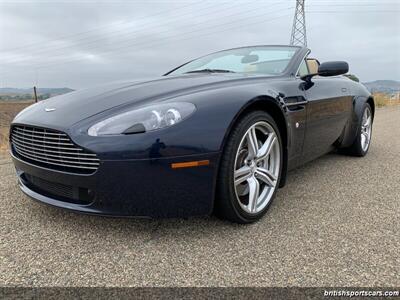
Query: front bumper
x,y
141,187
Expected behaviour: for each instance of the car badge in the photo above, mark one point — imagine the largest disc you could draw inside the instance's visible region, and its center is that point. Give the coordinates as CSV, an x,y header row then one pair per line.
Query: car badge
x,y
49,109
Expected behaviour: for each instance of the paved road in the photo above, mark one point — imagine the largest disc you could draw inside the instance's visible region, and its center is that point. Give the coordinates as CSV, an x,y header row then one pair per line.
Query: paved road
x,y
336,223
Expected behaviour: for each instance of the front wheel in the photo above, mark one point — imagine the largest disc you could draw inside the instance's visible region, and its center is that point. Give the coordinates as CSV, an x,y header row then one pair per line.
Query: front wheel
x,y
250,169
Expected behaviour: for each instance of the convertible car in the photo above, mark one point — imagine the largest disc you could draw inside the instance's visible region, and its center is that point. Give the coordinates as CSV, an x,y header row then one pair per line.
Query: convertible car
x,y
215,135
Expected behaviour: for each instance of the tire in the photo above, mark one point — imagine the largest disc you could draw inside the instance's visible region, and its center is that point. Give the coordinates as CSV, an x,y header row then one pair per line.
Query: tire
x,y
241,171
359,148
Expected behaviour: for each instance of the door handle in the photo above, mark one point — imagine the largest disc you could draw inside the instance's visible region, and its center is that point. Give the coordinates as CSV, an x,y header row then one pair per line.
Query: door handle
x,y
344,90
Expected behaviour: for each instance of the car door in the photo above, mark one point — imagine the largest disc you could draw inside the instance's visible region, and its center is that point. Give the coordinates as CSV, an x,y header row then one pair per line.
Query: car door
x,y
295,102
328,111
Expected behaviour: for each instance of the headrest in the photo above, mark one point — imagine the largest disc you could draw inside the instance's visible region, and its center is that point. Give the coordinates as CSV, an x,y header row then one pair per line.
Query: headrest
x,y
313,65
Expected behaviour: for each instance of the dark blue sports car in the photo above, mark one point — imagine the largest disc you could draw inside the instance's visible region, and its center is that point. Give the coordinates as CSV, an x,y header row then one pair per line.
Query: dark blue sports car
x,y
217,134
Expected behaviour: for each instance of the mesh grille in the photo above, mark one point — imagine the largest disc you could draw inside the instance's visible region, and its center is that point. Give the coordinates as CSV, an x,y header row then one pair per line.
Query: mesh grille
x,y
51,149
51,187
60,191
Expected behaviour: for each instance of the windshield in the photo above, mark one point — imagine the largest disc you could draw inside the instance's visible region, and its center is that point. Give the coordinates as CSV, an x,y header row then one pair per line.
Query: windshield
x,y
268,60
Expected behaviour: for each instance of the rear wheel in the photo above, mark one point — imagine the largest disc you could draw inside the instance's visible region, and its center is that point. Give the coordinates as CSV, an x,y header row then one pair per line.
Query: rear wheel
x,y
362,142
250,169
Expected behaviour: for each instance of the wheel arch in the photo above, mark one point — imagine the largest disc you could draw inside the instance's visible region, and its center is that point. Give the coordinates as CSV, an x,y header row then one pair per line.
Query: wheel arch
x,y
353,128
371,103
274,108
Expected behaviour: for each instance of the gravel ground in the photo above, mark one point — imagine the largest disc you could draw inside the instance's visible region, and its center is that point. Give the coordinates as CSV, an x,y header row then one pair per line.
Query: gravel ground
x,y
336,223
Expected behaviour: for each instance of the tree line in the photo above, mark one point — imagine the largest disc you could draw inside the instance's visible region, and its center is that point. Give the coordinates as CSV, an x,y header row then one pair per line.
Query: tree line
x,y
21,97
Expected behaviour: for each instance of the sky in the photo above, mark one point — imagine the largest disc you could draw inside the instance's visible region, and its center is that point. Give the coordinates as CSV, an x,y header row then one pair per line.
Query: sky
x,y
78,44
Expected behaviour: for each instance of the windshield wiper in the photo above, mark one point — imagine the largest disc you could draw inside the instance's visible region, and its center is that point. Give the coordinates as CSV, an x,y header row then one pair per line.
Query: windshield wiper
x,y
211,71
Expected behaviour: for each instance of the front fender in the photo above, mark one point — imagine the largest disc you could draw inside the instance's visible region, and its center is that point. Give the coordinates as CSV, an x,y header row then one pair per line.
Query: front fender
x,y
203,132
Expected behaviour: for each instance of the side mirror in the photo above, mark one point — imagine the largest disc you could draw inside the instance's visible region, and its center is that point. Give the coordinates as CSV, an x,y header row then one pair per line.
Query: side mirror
x,y
333,68
330,68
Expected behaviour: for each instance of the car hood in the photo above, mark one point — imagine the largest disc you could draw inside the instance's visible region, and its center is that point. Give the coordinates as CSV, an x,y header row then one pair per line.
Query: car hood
x,y
68,109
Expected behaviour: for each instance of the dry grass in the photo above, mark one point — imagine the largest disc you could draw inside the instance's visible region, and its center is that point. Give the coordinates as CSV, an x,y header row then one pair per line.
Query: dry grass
x,y
382,99
8,110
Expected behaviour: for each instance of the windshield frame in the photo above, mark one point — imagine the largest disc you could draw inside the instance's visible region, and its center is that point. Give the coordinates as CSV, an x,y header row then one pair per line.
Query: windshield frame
x,y
289,69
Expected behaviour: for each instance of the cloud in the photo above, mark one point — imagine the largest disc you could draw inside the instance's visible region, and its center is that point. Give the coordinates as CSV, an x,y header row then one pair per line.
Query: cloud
x,y
79,44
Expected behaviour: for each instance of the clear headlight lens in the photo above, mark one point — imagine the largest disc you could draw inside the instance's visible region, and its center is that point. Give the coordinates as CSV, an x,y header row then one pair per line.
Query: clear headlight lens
x,y
144,119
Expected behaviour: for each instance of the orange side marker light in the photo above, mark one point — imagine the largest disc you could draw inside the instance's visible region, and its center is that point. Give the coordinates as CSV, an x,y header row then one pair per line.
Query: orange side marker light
x,y
190,164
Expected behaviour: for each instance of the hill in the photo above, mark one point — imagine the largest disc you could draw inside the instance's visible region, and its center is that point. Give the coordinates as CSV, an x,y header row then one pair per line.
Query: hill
x,y
22,94
383,86
23,91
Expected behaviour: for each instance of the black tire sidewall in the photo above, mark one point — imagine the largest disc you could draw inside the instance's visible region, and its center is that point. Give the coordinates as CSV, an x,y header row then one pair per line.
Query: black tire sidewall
x,y
233,144
361,151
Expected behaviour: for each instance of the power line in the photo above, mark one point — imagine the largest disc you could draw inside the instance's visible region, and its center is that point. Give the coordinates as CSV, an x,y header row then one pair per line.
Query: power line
x,y
352,2
64,37
122,49
353,11
152,43
242,12
346,4
93,41
158,1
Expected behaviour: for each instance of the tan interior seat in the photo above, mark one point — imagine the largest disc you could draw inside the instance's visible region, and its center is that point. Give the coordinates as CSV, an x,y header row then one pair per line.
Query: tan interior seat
x,y
250,69
313,65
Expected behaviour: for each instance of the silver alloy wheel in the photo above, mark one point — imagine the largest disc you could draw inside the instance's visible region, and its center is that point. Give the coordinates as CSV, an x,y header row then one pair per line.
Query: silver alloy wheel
x,y
257,165
366,127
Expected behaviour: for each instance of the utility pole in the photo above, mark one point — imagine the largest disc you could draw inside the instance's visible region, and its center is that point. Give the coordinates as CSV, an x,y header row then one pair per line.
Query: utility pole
x,y
35,94
299,34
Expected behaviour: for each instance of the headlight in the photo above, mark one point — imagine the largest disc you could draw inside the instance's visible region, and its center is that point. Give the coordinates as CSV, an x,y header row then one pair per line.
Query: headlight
x,y
144,119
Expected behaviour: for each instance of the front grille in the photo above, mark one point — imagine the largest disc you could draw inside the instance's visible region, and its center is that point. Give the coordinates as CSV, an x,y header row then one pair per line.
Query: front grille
x,y
58,191
51,149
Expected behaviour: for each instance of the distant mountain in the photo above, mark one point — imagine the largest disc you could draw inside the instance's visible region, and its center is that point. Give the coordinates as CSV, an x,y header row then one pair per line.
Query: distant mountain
x,y
40,91
383,86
